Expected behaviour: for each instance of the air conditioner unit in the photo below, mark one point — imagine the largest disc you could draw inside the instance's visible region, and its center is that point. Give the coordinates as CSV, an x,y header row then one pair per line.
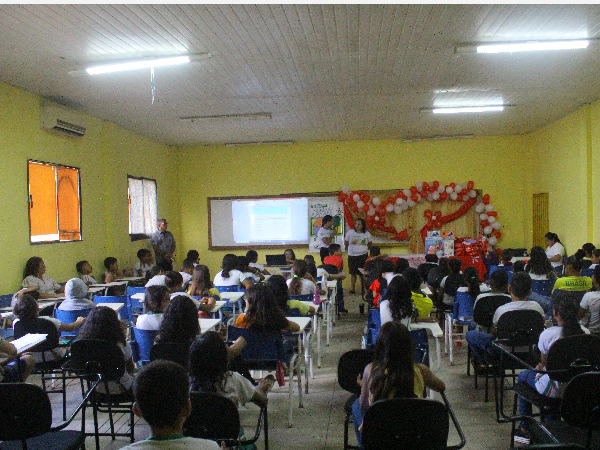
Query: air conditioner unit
x,y
59,119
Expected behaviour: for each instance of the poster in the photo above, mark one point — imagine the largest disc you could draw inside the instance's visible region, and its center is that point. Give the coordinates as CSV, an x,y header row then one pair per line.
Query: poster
x,y
319,207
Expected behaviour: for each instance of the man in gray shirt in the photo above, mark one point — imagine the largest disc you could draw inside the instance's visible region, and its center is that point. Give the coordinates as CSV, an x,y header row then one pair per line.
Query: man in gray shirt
x,y
164,246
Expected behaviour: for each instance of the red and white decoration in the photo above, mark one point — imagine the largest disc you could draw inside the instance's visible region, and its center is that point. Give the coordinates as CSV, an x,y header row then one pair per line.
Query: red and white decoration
x,y
376,209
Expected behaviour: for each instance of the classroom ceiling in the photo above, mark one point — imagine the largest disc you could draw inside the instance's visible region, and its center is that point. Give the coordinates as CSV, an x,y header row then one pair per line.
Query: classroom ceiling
x,y
322,72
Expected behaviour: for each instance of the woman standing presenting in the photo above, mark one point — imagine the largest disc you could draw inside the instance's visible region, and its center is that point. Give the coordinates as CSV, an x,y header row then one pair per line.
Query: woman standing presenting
x,y
358,241
555,251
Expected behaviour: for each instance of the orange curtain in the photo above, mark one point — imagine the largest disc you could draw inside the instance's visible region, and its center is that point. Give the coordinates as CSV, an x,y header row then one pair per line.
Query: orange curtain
x,y
69,223
42,199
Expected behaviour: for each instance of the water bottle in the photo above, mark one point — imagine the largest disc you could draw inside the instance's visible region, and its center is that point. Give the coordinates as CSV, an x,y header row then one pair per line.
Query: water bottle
x,y
316,297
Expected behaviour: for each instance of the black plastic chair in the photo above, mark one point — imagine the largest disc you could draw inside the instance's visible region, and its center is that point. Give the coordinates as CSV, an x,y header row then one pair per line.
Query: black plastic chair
x,y
409,423
26,420
216,418
50,367
171,351
351,364
483,314
577,296
91,358
580,411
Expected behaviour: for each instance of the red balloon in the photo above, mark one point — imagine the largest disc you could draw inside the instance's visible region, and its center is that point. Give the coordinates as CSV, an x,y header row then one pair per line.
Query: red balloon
x,y
375,225
349,201
423,194
470,185
342,197
492,214
367,198
355,208
425,185
382,212
353,193
383,205
436,184
403,196
484,223
432,189
486,199
459,197
365,208
452,185
399,194
498,235
464,192
362,196
391,200
414,198
443,195
438,224
428,213
414,189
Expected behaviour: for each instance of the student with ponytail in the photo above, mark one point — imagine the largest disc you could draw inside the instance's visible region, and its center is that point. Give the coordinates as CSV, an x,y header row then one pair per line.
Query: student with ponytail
x,y
298,285
473,284
565,311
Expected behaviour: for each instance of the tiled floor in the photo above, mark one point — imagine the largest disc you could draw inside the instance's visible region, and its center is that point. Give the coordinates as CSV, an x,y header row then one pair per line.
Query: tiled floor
x,y
319,425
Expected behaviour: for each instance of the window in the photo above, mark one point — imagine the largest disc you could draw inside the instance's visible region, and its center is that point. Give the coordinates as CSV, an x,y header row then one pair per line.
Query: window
x,y
143,212
54,202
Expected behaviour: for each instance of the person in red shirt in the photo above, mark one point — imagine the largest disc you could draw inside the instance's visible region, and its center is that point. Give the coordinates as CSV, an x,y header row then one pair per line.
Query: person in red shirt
x,y
335,256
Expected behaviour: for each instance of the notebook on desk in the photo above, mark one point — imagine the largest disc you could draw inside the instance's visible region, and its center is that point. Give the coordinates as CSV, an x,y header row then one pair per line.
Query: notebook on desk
x,y
277,261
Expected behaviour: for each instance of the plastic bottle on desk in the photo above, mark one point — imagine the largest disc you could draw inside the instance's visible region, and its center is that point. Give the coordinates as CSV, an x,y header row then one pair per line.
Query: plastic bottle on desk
x,y
316,297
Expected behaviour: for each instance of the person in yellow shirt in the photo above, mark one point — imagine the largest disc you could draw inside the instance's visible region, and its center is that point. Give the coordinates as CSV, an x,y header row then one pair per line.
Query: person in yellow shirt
x,y
422,303
573,281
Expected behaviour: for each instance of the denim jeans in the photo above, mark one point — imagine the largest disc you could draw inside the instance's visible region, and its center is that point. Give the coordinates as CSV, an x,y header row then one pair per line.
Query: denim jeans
x,y
478,342
525,408
357,419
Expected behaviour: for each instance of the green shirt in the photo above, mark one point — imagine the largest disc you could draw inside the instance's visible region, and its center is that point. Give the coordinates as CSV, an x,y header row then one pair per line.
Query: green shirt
x,y
573,284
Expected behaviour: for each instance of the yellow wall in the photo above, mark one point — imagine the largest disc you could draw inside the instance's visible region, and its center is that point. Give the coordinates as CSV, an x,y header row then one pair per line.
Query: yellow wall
x,y
105,156
495,164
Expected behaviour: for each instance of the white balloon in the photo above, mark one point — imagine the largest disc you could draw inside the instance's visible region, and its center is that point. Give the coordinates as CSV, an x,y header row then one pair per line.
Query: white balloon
x,y
480,207
435,195
491,220
429,197
397,209
472,193
345,189
389,207
356,197
496,225
376,201
493,240
433,218
465,198
398,201
441,189
449,190
376,218
458,188
406,192
405,206
488,230
489,208
453,195
421,199
371,212
419,185
483,216
360,204
410,202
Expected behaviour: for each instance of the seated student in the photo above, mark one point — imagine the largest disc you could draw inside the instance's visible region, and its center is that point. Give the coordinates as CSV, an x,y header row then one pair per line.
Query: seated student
x,y
230,275
298,284
505,258
519,290
186,272
161,391
565,314
156,299
498,286
252,255
590,303
32,290
290,256
76,296
174,282
209,372
393,373
423,304
400,266
384,267
157,277
35,275
202,286
279,287
595,258
371,267
27,308
519,266
397,304
84,269
435,277
450,284
474,286
112,270
573,281
431,261
194,257
263,313
180,322
587,258
539,267
17,370
145,263
335,257
249,271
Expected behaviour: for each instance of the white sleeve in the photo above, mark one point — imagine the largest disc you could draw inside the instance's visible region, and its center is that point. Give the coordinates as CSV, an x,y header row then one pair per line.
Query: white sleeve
x,y
369,237
586,301
385,312
243,387
30,281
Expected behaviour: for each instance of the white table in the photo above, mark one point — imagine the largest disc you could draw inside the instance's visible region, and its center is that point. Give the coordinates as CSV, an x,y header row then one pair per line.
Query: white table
x,y
208,324
7,312
116,307
129,278
331,319
436,332
105,286
233,298
305,331
24,343
217,309
317,324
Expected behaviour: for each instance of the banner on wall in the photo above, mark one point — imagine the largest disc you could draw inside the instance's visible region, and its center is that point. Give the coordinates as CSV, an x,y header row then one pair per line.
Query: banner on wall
x,y
319,207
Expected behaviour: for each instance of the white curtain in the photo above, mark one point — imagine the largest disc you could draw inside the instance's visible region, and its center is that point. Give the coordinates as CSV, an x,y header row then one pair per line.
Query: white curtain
x,y
143,213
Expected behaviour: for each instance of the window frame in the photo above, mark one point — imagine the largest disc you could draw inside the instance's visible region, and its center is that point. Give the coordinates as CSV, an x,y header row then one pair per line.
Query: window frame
x,y
55,165
139,236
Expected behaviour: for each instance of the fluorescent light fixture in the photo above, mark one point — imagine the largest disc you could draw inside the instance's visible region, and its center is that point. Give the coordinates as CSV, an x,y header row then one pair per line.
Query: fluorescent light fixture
x,y
529,46
241,144
141,64
464,109
438,138
250,116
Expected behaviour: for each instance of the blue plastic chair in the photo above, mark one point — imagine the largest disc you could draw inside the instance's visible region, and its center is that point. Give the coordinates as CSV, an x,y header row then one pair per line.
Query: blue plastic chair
x,y
421,342
233,288
373,326
144,341
587,272
462,315
70,317
125,312
542,287
303,298
5,300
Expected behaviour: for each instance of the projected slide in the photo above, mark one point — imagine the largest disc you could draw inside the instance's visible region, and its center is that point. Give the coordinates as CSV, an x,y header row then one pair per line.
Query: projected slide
x,y
270,221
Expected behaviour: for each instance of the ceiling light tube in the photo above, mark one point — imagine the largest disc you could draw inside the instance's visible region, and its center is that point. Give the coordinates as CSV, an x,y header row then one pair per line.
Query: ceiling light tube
x,y
510,47
138,65
465,109
250,116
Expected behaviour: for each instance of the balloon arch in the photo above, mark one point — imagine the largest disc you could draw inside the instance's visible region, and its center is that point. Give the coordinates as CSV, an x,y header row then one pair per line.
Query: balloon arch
x,y
376,209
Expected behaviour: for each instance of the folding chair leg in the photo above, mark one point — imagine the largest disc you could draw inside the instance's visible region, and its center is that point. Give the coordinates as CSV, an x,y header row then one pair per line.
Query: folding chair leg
x,y
96,427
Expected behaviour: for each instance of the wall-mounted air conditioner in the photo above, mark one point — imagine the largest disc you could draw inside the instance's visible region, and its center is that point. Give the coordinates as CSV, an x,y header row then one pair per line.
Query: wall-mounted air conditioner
x,y
62,120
